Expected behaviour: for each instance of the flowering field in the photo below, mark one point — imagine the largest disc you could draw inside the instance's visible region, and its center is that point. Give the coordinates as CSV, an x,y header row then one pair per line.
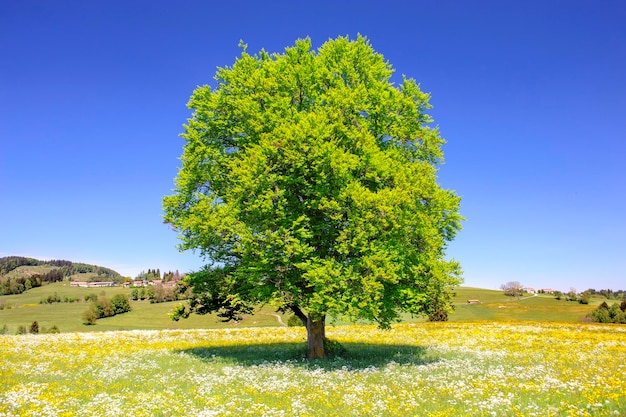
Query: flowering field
x,y
425,369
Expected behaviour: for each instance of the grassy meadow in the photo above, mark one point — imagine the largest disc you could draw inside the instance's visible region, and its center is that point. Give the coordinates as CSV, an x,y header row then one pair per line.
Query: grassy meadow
x,y
415,369
501,357
23,309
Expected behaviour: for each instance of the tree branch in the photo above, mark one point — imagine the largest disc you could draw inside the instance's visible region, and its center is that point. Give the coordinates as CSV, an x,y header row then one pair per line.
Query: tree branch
x,y
299,314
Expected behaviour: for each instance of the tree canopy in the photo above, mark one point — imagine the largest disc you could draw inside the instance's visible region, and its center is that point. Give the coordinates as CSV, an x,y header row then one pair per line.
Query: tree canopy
x,y
309,181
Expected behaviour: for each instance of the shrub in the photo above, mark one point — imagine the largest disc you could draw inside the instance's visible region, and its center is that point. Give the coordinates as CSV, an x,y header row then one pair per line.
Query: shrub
x,y
334,348
601,315
294,321
91,315
34,328
120,304
103,308
91,297
606,314
54,329
54,298
438,315
4,329
21,330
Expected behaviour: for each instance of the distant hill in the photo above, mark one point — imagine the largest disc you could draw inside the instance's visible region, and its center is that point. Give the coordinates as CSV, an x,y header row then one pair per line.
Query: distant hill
x,y
18,273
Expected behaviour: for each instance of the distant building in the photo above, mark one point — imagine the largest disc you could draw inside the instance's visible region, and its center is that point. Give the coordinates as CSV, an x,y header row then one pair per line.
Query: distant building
x,y
94,284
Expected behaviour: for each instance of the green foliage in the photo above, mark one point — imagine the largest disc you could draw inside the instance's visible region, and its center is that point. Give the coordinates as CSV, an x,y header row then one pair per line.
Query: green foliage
x,y
50,299
91,297
310,180
178,312
9,263
584,297
61,268
334,349
612,314
120,304
4,329
104,307
294,321
21,330
163,294
90,315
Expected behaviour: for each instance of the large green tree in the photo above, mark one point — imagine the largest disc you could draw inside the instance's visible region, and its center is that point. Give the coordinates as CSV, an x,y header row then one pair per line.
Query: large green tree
x,y
309,180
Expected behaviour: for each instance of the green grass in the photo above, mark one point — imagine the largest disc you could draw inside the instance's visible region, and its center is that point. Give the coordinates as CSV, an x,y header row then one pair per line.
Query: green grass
x,y
496,306
493,306
25,308
29,270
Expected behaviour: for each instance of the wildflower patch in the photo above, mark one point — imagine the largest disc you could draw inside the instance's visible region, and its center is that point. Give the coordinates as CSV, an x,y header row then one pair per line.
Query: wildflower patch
x,y
436,369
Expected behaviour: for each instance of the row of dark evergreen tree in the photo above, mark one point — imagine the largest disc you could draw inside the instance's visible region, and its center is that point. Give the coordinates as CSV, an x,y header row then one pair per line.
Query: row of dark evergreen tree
x,y
155,274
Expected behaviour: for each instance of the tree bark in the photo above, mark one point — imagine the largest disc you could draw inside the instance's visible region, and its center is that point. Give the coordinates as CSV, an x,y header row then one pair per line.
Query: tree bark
x,y
316,335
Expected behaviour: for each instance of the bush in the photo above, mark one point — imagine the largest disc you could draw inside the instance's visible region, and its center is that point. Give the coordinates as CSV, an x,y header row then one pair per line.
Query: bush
x,y
91,315
21,330
438,315
120,304
294,321
91,297
606,314
333,348
54,329
4,329
105,307
34,328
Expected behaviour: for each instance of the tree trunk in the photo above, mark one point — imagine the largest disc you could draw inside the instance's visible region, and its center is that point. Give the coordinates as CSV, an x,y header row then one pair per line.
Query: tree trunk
x,y
316,334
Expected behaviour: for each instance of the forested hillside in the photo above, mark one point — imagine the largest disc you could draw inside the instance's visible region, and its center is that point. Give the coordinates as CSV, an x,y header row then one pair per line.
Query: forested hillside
x,y
18,273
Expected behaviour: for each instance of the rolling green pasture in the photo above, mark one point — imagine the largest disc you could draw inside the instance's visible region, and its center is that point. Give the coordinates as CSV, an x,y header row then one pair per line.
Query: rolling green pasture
x,y
493,306
496,306
25,309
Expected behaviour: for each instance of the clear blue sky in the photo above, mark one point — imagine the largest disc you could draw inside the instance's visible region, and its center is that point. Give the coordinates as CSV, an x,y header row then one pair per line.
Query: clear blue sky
x,y
530,95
